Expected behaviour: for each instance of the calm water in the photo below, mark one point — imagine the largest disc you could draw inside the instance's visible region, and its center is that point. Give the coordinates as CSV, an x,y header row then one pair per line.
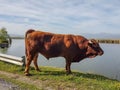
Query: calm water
x,y
107,65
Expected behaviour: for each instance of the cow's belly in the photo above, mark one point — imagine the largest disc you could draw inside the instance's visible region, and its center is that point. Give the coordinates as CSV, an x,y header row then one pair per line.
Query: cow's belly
x,y
51,53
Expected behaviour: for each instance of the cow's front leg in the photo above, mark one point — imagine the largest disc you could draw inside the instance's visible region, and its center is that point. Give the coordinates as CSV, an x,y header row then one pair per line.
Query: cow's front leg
x,y
68,67
35,62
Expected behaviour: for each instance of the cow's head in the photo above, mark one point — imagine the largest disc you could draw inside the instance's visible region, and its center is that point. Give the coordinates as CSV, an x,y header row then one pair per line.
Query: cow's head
x,y
93,49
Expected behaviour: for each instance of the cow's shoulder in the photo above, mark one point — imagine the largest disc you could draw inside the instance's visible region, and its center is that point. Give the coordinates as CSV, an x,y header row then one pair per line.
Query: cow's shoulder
x,y
81,39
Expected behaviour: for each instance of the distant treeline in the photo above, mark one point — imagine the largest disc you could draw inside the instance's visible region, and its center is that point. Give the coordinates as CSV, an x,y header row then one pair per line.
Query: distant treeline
x,y
111,41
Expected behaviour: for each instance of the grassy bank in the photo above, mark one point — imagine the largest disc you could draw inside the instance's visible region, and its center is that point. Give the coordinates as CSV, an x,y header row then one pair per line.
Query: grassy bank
x,y
56,79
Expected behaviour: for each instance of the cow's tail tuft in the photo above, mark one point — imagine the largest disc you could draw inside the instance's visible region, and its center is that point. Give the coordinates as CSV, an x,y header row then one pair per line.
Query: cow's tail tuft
x,y
26,41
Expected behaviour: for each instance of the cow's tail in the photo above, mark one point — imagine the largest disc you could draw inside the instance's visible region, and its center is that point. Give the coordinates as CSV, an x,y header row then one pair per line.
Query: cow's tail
x,y
28,32
26,39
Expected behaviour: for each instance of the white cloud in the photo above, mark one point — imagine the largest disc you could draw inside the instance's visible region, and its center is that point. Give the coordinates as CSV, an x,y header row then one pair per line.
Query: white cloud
x,y
15,28
78,15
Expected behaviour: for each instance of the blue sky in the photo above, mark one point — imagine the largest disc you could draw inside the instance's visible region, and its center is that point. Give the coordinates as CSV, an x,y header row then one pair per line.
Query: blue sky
x,y
61,16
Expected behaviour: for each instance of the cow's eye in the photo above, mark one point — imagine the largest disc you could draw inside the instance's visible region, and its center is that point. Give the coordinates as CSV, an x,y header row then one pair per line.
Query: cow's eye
x,y
93,45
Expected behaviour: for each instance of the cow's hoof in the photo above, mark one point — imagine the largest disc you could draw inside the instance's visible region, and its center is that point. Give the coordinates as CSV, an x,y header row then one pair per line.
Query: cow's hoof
x,y
68,72
28,74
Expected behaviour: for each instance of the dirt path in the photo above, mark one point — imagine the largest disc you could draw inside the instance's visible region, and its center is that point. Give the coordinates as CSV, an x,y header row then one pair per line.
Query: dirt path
x,y
39,84
4,85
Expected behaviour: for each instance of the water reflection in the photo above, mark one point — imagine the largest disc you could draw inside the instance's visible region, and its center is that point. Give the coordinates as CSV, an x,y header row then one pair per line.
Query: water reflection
x,y
5,45
3,50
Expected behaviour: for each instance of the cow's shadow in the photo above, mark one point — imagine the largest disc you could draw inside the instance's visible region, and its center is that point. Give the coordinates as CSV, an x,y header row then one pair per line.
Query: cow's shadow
x,y
48,72
74,74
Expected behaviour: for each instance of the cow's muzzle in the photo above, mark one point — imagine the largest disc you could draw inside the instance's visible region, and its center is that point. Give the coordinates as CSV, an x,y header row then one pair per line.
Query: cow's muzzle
x,y
101,53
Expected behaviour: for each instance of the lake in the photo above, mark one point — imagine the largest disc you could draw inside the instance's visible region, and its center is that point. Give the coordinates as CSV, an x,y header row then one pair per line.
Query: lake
x,y
107,65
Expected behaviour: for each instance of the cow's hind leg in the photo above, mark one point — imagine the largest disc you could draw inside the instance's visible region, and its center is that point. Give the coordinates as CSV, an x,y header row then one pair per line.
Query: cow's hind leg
x,y
29,60
35,62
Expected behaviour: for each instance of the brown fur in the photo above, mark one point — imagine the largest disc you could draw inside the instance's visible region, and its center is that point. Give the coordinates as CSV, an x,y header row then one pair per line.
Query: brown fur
x,y
73,48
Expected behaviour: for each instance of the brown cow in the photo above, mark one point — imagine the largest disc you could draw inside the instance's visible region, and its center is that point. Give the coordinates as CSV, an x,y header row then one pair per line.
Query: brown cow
x,y
73,48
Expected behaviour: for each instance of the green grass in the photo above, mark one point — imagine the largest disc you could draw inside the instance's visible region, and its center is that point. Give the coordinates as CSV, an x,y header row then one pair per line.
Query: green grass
x,y
57,79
